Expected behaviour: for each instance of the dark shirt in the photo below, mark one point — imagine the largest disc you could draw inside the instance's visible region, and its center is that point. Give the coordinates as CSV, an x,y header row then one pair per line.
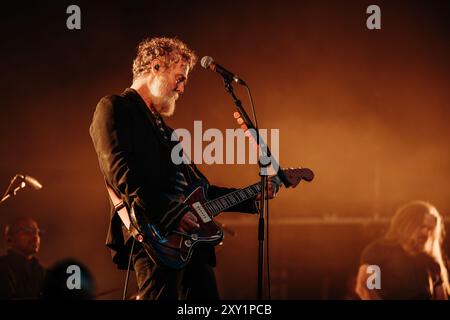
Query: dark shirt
x,y
20,278
403,276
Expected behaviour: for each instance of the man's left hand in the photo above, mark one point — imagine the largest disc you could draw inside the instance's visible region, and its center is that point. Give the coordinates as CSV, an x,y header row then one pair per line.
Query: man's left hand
x,y
273,190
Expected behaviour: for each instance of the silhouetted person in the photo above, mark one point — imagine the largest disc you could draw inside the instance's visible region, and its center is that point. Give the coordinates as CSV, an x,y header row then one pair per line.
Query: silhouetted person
x,y
21,275
409,258
69,280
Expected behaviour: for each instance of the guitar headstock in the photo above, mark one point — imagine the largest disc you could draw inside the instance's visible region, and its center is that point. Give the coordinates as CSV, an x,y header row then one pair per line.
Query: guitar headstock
x,y
295,175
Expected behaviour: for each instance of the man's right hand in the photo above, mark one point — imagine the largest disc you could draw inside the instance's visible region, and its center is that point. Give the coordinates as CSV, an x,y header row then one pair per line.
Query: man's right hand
x,y
188,223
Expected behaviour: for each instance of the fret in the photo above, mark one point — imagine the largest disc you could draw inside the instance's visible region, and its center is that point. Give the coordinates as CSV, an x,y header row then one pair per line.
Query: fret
x,y
216,207
233,199
223,202
213,208
256,188
208,207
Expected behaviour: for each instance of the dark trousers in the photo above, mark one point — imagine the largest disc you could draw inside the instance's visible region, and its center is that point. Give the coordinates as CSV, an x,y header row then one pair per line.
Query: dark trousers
x,y
195,282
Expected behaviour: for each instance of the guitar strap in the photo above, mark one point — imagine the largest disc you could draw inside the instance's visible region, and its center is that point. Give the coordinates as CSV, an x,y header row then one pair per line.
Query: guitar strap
x,y
119,207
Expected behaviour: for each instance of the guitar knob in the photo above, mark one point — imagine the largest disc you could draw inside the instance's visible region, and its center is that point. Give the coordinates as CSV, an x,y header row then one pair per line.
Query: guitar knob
x,y
188,243
194,237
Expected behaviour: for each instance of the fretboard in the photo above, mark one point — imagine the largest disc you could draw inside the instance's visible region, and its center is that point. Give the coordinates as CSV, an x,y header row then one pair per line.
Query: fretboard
x,y
229,200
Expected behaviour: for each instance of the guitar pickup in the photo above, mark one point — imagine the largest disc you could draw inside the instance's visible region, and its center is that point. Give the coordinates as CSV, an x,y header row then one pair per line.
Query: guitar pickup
x,y
201,212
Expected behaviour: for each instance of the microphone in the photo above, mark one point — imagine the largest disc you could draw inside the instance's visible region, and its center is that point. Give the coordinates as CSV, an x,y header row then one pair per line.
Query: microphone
x,y
208,63
31,181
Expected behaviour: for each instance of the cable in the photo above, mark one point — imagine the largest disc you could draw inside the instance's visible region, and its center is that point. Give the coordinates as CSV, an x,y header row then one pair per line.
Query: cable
x,y
267,239
128,271
253,112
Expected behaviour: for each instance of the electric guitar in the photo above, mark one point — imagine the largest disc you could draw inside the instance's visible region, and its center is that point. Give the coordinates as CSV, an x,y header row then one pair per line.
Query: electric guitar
x,y
174,249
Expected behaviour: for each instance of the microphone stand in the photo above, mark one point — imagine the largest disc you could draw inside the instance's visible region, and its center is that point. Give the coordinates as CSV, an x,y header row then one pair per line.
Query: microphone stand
x,y
8,193
268,160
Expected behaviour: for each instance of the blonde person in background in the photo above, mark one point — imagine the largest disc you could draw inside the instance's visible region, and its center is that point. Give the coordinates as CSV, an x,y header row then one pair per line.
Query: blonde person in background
x,y
410,257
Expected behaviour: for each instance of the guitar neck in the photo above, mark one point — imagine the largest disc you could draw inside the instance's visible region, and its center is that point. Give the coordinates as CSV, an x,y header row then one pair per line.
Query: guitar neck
x,y
293,176
231,199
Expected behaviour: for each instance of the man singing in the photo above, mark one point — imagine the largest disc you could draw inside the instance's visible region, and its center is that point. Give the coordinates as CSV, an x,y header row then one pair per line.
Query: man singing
x,y
134,146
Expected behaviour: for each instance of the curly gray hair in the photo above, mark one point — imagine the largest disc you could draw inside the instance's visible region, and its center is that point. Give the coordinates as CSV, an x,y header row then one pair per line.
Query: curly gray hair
x,y
169,50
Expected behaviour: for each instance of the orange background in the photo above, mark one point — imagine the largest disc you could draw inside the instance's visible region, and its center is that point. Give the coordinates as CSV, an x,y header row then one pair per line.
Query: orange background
x,y
367,111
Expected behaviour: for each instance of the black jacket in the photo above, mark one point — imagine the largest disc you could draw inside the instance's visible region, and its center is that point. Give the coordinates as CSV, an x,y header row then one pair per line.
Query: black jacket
x,y
135,160
20,278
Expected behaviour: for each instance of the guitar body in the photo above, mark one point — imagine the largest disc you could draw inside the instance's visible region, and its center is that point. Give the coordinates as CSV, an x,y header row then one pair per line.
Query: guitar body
x,y
175,249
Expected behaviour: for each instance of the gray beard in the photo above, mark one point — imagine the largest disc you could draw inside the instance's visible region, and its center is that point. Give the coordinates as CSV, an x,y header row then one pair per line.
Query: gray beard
x,y
166,106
